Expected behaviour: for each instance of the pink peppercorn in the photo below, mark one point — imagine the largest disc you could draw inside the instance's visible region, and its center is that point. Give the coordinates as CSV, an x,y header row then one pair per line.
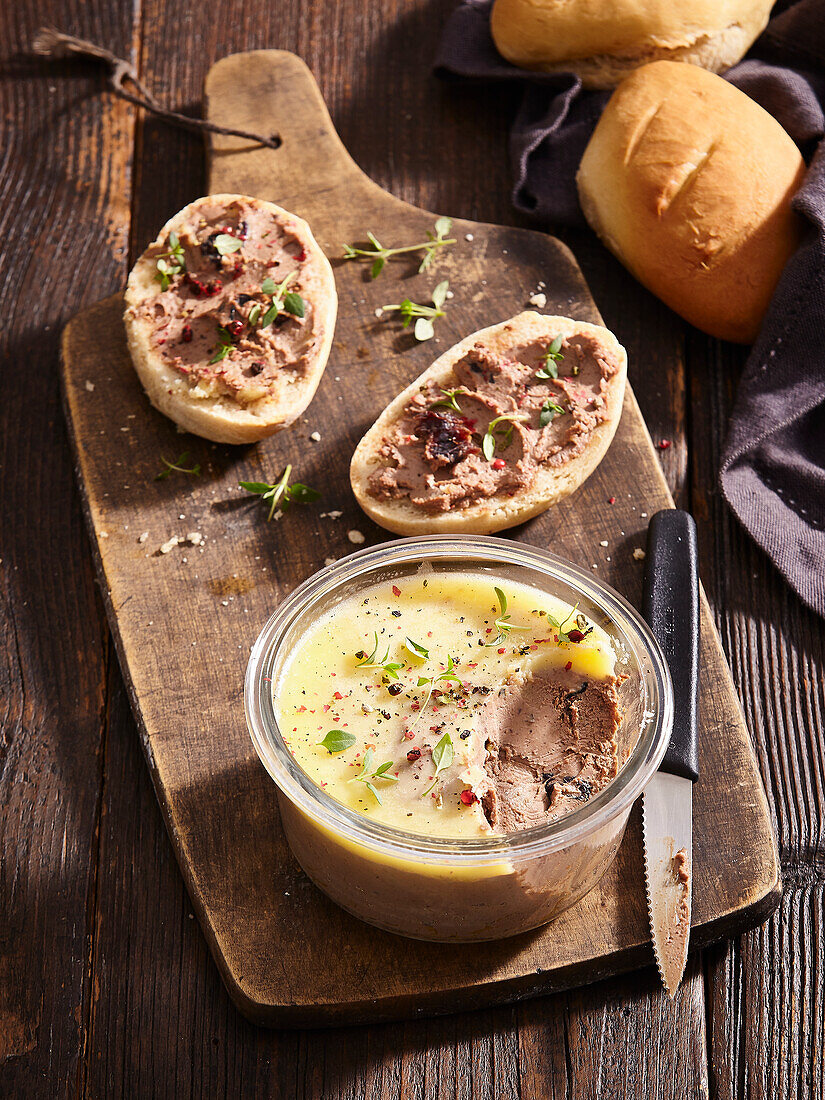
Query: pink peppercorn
x,y
468,797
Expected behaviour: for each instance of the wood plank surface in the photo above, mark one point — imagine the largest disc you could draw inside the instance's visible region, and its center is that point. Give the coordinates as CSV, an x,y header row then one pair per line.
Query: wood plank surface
x,y
185,671
160,1021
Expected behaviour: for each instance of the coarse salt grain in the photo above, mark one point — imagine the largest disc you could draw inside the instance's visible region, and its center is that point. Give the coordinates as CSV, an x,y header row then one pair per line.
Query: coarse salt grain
x,y
143,537
356,536
331,515
90,386
315,437
330,561
468,237
603,542
170,545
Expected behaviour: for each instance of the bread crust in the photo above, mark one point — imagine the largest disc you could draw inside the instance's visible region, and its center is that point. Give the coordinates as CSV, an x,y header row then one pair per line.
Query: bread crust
x,y
222,418
500,511
602,41
689,183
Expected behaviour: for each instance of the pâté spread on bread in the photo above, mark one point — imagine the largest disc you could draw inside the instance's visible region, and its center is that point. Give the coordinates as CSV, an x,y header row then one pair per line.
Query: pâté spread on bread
x,y
506,423
453,704
230,313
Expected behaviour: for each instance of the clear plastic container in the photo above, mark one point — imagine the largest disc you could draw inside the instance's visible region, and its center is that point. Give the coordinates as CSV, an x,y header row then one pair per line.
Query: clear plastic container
x,y
460,890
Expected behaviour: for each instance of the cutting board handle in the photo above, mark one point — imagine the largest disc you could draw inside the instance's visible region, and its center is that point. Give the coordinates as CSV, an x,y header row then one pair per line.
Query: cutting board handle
x,y
274,92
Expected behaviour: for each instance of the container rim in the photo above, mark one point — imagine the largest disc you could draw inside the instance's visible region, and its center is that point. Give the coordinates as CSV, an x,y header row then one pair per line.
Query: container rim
x,y
613,800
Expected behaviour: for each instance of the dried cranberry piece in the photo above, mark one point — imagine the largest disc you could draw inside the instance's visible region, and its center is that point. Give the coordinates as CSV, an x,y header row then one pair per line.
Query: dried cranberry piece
x,y
575,635
235,328
447,438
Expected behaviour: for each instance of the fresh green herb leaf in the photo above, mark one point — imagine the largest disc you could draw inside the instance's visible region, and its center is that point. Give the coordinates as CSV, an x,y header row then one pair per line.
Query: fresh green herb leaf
x,y
416,649
281,494
549,410
440,294
443,755
337,741
389,668
226,244
366,775
170,263
225,345
425,315
430,683
502,622
449,401
552,356
294,304
379,254
177,467
493,438
281,300
254,314
270,315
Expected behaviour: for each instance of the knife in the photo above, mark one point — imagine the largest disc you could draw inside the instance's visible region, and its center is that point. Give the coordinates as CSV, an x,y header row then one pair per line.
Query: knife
x,y
671,608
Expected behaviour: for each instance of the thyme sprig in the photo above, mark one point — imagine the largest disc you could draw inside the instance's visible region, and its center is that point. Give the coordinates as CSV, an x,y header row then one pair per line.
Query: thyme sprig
x,y
379,254
170,263
365,776
502,622
225,345
449,401
177,467
549,410
430,683
281,494
492,439
576,633
289,301
426,315
443,755
552,356
372,660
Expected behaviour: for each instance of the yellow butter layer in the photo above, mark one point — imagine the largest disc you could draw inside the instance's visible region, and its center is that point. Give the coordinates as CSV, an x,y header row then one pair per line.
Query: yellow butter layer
x,y
405,667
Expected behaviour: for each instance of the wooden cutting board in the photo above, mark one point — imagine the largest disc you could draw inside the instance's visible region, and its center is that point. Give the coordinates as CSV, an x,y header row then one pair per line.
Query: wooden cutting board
x,y
184,621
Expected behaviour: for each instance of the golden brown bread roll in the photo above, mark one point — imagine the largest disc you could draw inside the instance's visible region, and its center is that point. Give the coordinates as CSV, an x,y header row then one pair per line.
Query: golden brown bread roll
x,y
604,40
689,183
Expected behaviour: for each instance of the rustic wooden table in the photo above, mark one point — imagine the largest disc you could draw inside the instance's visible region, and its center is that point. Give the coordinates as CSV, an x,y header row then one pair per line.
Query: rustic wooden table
x,y
106,985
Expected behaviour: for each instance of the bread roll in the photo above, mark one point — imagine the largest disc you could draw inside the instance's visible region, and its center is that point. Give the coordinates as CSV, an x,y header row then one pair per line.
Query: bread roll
x,y
604,40
424,466
229,318
689,183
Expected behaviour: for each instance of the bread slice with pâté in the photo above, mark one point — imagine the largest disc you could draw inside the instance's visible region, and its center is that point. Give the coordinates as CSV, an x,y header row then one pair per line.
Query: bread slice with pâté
x,y
229,318
503,425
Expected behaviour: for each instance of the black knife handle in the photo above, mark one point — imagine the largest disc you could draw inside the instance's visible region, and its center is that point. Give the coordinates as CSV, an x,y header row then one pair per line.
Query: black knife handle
x,y
670,604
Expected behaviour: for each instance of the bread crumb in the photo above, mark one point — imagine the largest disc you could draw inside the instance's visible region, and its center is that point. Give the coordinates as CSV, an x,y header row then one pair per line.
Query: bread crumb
x,y
603,542
379,312
538,300
468,237
639,554
104,534
143,537
330,561
169,545
316,437
90,386
356,536
331,515
194,538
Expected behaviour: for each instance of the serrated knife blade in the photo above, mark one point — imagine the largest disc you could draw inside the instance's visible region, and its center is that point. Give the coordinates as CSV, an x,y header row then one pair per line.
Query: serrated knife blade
x,y
671,607
667,823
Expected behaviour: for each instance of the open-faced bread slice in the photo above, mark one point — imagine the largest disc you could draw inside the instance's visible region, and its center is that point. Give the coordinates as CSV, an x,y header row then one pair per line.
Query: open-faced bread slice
x,y
229,318
503,425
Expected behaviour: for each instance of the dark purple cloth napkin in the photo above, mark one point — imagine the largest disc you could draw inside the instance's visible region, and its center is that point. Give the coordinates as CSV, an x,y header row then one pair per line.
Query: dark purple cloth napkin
x,y
773,467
